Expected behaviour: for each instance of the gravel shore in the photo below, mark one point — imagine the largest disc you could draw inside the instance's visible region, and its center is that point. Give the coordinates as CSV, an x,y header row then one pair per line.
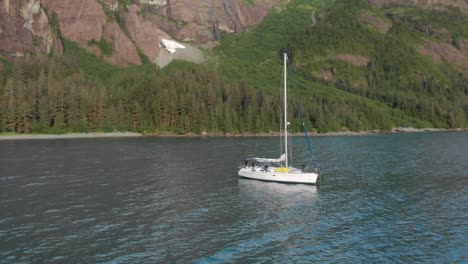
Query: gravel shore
x,y
71,135
273,134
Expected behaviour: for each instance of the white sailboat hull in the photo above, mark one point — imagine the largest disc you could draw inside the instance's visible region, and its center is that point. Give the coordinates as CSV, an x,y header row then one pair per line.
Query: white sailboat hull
x,y
295,176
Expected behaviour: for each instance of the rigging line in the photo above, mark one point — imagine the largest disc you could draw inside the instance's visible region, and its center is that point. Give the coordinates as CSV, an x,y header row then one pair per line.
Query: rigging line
x,y
290,130
309,144
290,144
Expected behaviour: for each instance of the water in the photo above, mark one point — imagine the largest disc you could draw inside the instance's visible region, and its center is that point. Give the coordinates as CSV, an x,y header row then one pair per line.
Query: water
x,y
387,198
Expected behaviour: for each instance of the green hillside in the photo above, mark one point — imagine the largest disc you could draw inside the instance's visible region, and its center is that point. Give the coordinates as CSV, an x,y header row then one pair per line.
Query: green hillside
x,y
397,74
397,78
355,67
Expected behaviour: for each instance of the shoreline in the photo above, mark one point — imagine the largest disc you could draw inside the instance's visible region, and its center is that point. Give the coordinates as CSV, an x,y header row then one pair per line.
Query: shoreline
x,y
189,135
70,135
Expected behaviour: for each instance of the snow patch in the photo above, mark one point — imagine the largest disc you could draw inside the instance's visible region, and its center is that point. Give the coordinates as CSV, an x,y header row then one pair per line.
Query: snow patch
x,y
170,45
154,2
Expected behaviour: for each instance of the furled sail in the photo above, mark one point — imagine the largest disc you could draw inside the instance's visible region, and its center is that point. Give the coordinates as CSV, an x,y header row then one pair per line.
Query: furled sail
x,y
281,159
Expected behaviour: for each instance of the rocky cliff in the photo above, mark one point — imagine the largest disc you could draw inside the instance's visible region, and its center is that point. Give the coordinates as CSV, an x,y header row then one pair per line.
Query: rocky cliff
x,y
461,4
204,21
120,32
25,30
127,32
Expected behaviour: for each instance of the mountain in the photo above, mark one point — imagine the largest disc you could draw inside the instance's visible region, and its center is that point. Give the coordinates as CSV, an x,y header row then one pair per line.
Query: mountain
x,y
26,29
121,32
358,65
408,57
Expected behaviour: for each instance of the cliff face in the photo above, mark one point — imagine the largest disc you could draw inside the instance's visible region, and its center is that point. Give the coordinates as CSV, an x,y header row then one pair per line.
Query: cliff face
x,y
25,30
121,32
427,4
143,32
203,21
80,20
85,22
116,32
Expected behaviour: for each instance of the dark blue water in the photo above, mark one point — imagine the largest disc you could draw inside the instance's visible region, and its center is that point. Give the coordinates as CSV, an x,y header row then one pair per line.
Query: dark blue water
x,y
385,198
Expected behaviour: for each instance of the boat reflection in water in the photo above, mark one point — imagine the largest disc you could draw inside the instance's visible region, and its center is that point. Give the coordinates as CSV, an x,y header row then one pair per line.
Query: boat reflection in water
x,y
281,192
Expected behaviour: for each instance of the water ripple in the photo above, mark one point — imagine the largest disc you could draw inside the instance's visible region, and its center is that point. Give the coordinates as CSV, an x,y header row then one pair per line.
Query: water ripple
x,y
389,198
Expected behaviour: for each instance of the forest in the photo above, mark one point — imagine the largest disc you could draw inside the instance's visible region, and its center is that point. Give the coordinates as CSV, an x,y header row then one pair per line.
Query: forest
x,y
53,95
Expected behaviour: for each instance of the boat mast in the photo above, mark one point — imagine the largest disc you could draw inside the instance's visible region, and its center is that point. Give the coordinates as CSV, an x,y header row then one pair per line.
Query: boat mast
x,y
285,111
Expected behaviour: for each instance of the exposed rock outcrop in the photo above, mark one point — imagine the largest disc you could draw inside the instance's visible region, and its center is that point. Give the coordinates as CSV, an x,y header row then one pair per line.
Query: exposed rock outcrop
x,y
427,4
80,20
462,45
25,30
85,21
439,52
143,32
125,52
379,23
329,75
201,21
355,60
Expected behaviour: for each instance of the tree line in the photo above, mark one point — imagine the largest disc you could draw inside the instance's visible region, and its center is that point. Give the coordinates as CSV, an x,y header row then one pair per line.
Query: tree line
x,y
54,95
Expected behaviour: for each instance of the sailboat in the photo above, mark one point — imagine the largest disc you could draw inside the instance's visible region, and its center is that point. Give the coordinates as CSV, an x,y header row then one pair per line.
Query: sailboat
x,y
278,170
